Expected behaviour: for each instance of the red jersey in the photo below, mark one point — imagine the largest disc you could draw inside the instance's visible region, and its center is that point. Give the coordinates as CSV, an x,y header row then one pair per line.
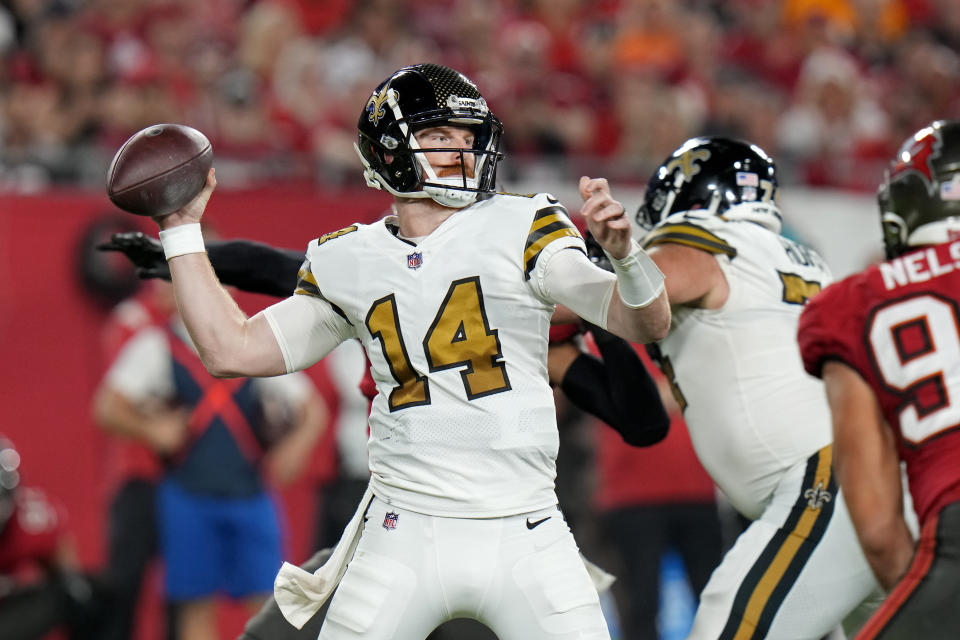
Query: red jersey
x,y
898,325
30,538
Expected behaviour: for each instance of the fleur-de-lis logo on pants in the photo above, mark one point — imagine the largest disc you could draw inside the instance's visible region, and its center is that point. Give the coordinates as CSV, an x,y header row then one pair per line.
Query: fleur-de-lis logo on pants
x,y
817,496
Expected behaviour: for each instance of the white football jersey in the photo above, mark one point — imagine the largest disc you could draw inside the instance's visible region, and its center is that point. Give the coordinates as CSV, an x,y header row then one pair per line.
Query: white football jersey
x,y
464,423
752,410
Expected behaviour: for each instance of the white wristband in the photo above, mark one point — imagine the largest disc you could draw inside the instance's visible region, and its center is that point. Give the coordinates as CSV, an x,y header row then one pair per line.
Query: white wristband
x,y
639,279
183,239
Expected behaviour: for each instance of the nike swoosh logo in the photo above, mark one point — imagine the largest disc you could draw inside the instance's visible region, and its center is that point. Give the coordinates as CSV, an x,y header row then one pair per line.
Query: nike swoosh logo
x,y
536,523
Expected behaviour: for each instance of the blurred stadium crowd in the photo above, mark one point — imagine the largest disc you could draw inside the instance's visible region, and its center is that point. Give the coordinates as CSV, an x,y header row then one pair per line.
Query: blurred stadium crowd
x,y
829,87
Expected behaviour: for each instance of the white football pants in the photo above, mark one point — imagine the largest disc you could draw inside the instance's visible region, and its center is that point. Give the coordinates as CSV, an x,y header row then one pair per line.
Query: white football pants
x,y
522,576
795,572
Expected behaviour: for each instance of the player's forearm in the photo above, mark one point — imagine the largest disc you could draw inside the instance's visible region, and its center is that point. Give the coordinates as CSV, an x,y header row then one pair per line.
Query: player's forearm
x,y
215,322
631,305
289,457
228,342
642,324
868,470
888,547
116,414
639,310
869,476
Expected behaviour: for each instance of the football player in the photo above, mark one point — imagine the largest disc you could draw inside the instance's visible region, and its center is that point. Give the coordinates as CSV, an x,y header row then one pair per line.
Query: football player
x,y
42,588
451,298
887,345
759,424
615,387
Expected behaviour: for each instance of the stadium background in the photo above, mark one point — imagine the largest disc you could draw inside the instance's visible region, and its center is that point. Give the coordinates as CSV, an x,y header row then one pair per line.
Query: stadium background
x,y
605,88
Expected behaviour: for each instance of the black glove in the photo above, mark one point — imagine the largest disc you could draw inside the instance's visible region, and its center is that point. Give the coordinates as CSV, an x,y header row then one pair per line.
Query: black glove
x,y
144,252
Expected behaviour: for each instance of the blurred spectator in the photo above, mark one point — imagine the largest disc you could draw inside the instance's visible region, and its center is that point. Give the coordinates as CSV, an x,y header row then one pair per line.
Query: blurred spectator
x,y
835,124
133,469
224,443
652,115
745,107
274,83
755,42
923,85
649,36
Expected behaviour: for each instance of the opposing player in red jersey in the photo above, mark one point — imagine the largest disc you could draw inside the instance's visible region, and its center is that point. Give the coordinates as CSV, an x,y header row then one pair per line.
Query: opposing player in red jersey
x,y
886,342
41,586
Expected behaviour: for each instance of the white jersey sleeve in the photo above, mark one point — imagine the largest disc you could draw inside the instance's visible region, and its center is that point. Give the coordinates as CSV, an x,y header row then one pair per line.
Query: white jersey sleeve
x,y
569,278
307,328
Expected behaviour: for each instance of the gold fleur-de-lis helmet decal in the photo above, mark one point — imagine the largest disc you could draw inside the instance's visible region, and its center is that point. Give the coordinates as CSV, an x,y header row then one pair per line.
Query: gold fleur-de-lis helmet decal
x,y
687,163
375,106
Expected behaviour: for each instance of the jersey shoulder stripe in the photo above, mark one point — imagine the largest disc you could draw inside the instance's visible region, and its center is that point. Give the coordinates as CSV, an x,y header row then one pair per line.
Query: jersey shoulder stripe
x,y
306,282
323,251
690,235
549,224
336,234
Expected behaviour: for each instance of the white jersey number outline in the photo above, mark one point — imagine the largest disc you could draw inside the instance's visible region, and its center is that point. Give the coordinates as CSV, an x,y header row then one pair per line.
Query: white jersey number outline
x,y
936,363
459,337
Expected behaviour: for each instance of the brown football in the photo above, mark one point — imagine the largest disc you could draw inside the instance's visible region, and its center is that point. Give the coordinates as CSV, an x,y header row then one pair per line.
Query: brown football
x,y
159,169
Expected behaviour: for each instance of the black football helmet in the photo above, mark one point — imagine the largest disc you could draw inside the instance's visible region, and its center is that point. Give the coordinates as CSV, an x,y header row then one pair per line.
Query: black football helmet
x,y
9,479
920,195
712,173
418,96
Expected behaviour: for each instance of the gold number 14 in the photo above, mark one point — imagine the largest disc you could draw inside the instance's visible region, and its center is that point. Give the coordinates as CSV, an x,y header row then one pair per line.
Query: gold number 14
x,y
459,337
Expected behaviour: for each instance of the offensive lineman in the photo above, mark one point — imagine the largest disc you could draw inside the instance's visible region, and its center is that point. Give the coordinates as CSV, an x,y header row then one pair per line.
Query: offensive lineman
x,y
887,345
452,299
759,424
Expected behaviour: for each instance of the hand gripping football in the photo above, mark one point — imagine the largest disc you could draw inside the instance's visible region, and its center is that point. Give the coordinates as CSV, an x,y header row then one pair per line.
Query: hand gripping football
x,y
159,169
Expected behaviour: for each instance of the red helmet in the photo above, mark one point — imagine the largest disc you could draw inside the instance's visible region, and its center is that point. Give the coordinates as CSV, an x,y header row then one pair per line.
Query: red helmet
x,y
920,195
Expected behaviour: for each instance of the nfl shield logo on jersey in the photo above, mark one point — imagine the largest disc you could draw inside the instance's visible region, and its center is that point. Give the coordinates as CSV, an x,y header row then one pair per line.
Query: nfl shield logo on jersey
x,y
414,260
390,520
